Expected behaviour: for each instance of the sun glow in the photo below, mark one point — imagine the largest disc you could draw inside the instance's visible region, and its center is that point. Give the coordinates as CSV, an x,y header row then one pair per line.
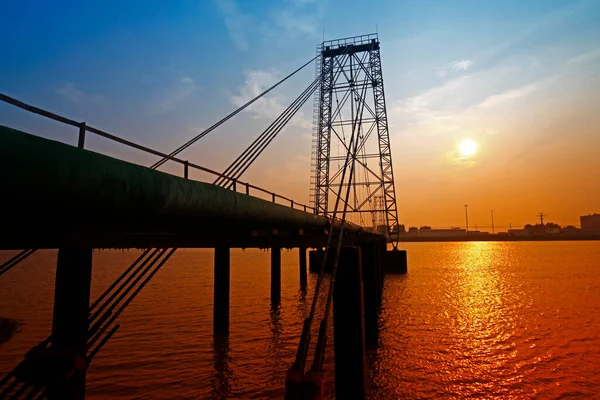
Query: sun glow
x,y
467,147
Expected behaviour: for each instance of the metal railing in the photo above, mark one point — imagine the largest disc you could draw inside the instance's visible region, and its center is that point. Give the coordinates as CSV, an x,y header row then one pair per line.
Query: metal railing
x,y
354,40
84,128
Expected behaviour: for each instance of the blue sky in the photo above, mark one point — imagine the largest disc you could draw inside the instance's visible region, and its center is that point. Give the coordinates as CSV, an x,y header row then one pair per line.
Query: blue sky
x,y
521,78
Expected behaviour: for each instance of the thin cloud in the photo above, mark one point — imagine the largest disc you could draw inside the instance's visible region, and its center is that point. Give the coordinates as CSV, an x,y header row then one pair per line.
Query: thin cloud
x,y
455,66
69,92
237,23
267,107
508,96
286,21
180,92
460,65
585,57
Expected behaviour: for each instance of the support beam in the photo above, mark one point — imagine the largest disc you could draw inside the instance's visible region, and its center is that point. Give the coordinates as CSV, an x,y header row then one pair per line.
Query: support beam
x,y
348,327
303,273
371,289
70,321
221,291
275,275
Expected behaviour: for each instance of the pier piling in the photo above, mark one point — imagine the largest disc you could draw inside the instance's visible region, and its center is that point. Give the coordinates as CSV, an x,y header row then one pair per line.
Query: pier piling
x,y
303,273
371,288
349,327
221,290
70,322
275,275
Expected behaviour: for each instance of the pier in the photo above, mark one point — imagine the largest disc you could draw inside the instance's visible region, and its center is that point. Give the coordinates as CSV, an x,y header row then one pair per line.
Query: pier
x,y
70,198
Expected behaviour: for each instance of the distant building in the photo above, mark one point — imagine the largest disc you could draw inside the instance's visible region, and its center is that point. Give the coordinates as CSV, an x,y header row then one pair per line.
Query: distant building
x,y
569,230
519,232
590,223
426,231
477,233
413,231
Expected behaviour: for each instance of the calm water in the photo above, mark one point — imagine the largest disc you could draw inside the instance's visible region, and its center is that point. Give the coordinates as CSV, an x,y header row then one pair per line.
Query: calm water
x,y
484,320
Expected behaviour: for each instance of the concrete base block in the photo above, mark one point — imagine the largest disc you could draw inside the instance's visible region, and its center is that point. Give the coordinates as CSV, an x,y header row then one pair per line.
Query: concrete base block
x,y
395,262
315,258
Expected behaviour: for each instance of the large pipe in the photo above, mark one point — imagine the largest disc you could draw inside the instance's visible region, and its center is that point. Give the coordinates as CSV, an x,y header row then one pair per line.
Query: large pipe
x,y
76,183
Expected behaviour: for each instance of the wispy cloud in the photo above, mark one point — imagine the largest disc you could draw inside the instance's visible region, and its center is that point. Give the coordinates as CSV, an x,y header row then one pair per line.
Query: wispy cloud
x,y
69,92
454,66
585,57
236,22
182,89
286,21
267,107
508,95
298,20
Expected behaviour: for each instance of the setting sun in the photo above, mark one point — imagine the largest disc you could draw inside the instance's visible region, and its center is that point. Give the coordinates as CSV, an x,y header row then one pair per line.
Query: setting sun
x,y
467,147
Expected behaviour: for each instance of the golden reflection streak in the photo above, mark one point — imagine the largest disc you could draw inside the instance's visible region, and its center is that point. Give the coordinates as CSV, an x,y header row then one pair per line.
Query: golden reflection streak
x,y
482,327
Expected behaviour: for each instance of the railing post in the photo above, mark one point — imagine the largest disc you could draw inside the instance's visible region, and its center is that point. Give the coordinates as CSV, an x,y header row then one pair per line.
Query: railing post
x,y
81,141
247,188
305,208
186,166
234,185
273,194
292,202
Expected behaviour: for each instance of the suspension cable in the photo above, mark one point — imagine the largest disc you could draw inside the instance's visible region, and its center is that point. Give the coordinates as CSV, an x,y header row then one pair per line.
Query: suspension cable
x,y
274,128
232,114
269,138
236,165
6,266
322,338
102,321
120,278
96,327
120,289
303,346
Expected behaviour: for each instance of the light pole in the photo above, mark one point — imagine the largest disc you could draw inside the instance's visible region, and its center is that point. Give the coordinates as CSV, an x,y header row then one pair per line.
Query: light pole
x,y
467,218
492,222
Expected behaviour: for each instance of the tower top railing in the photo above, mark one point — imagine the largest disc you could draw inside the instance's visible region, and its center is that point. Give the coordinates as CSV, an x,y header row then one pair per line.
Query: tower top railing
x,y
353,40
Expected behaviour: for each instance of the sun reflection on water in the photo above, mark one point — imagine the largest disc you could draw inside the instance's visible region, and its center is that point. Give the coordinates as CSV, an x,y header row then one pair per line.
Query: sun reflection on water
x,y
481,327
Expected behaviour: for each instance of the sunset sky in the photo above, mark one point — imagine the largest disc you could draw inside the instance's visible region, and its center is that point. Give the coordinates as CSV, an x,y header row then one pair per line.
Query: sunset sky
x,y
520,81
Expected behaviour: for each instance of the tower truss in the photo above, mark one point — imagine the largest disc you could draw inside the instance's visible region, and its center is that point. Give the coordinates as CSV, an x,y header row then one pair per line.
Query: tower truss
x,y
352,99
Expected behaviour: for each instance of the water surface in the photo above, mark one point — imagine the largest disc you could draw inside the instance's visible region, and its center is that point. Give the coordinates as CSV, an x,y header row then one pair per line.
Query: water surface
x,y
471,319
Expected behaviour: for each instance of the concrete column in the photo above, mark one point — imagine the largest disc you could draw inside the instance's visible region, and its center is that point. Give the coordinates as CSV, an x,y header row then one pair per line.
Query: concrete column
x,y
70,321
275,275
370,292
348,325
221,291
303,273
380,251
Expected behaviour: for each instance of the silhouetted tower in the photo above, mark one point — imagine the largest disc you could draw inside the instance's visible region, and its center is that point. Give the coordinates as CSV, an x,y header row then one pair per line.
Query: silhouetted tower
x,y
351,99
542,215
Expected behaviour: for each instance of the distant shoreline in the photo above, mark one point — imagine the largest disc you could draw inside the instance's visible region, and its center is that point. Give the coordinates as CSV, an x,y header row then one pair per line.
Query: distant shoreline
x,y
502,238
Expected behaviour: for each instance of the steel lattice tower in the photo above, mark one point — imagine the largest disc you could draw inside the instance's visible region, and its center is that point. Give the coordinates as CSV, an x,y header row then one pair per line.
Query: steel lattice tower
x,y
351,97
